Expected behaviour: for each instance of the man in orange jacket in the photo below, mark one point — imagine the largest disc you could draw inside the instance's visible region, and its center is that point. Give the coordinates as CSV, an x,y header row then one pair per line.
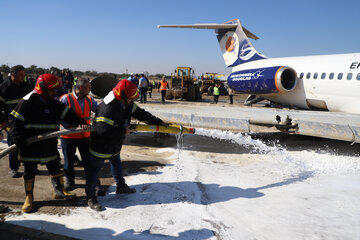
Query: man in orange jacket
x,y
83,104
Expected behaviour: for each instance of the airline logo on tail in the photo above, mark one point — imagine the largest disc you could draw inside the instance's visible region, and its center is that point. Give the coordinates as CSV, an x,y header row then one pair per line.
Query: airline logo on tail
x,y
230,47
229,44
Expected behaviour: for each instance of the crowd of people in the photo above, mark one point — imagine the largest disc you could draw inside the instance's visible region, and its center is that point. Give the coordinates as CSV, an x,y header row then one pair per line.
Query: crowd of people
x,y
144,85
67,79
27,111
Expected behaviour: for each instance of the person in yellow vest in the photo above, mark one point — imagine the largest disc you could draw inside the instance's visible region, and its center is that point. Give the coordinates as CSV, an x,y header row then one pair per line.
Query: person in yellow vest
x,y
75,80
163,87
216,93
83,104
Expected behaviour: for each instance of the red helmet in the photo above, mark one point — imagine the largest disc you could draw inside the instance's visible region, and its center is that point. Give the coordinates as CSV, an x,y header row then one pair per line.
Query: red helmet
x,y
126,89
46,81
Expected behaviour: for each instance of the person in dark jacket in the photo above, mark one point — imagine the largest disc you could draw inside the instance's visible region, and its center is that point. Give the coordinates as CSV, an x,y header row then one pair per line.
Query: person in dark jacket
x,y
135,80
68,81
31,81
111,123
36,114
11,92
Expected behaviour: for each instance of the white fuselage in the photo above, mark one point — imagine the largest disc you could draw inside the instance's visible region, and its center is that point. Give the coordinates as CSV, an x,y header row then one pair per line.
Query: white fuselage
x,y
341,95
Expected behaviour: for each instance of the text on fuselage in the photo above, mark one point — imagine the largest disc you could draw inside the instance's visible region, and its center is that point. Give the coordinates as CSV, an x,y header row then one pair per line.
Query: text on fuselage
x,y
355,65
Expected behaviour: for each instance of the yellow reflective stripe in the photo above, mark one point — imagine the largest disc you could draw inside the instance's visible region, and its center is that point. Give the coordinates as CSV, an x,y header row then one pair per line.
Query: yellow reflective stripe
x,y
17,115
137,91
64,112
37,159
101,155
42,126
2,99
15,101
105,120
133,108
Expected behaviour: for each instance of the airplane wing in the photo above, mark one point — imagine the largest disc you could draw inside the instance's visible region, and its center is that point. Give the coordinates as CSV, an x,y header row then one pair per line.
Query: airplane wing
x,y
332,125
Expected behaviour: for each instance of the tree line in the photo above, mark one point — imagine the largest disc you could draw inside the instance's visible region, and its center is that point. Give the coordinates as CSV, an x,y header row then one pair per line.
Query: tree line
x,y
35,70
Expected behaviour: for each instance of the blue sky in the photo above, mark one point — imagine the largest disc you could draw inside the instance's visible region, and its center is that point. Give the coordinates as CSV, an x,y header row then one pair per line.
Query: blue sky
x,y
113,36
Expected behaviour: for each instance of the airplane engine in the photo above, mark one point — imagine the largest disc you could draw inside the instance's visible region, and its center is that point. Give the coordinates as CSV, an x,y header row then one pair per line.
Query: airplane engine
x,y
263,80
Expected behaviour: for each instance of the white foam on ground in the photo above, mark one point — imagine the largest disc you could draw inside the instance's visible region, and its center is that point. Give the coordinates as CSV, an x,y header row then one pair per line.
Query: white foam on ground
x,y
303,161
241,139
265,193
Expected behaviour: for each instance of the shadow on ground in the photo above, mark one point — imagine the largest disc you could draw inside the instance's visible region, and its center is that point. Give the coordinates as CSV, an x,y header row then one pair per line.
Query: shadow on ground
x,y
12,231
187,191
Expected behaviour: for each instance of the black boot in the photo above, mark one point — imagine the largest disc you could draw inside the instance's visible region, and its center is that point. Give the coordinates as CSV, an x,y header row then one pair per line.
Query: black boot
x,y
69,185
58,184
122,187
94,204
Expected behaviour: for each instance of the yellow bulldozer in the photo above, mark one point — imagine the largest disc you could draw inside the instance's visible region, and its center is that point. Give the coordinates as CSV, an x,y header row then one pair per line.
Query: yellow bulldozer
x,y
184,85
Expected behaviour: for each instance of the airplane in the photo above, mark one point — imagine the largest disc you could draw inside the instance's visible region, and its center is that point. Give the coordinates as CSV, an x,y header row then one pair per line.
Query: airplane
x,y
324,82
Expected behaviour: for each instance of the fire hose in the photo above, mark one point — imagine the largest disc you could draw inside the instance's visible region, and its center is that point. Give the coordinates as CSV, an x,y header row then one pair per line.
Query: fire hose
x,y
171,129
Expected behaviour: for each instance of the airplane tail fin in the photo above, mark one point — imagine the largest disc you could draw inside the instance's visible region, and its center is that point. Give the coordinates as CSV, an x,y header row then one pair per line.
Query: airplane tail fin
x,y
233,39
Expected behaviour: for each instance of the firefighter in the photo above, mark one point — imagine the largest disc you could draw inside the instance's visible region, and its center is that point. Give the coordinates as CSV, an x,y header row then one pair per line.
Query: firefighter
x,y
38,113
112,125
12,91
82,104
163,87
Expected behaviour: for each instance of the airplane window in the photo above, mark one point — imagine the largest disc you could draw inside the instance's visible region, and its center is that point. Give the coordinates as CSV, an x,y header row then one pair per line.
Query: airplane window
x,y
308,75
349,76
301,75
331,76
315,75
340,75
358,76
323,75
